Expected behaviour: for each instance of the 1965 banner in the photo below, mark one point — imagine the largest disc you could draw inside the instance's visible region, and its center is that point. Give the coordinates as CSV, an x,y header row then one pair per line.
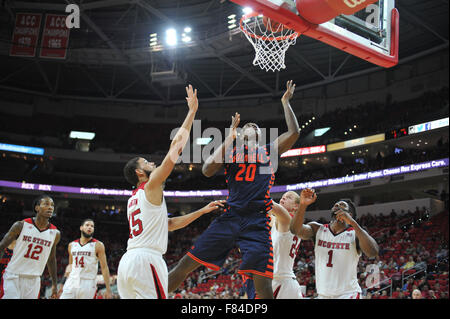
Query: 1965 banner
x,y
26,34
55,37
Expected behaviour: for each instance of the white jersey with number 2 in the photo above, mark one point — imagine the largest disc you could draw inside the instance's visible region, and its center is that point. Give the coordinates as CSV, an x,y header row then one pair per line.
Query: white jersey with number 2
x,y
336,263
285,248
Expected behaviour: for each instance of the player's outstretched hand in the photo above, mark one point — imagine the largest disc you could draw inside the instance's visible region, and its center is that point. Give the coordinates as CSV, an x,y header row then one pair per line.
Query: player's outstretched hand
x,y
307,196
235,120
191,99
290,88
213,206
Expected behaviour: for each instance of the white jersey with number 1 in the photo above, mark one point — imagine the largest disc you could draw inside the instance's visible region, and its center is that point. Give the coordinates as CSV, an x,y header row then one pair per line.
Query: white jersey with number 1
x,y
336,263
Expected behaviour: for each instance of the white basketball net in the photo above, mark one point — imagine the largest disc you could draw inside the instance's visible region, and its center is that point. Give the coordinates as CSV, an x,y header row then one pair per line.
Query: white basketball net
x,y
270,45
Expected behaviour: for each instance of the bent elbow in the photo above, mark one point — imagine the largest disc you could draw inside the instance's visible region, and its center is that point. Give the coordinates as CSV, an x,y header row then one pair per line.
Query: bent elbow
x,y
293,230
206,172
372,253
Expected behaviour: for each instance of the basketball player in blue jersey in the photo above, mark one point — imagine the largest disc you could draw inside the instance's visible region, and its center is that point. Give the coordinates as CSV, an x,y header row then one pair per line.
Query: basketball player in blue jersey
x,y
245,221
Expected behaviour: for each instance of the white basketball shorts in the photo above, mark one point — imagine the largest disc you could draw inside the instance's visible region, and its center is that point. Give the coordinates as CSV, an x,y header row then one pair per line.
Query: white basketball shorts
x,y
142,274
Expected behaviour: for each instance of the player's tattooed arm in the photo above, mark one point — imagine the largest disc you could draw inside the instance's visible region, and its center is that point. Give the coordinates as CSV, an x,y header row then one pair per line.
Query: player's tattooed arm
x,y
215,162
364,241
286,140
10,236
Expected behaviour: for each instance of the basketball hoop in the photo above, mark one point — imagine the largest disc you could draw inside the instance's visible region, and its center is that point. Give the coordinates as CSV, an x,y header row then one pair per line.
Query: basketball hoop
x,y
270,40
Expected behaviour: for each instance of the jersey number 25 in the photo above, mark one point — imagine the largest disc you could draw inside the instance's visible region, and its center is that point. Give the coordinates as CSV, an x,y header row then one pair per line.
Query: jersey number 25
x,y
135,224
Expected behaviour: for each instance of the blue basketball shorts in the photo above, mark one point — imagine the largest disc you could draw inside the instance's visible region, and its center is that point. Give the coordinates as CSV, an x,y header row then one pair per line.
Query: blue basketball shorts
x,y
249,231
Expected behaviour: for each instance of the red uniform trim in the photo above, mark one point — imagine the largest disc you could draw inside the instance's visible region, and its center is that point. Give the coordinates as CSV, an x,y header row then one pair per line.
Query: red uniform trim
x,y
275,293
204,263
268,274
31,221
92,240
2,291
158,286
140,186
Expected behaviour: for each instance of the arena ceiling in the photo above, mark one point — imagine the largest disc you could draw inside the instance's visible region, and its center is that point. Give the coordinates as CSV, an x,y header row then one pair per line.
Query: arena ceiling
x,y
109,58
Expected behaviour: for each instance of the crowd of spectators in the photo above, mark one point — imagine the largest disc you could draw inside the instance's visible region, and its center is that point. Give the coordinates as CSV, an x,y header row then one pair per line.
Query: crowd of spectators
x,y
116,135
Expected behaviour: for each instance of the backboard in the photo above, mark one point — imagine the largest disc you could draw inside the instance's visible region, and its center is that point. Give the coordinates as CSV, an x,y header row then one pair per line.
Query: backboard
x,y
370,34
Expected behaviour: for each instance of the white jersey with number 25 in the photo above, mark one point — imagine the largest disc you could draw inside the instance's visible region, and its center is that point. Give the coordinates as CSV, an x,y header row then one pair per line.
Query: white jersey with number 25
x,y
148,223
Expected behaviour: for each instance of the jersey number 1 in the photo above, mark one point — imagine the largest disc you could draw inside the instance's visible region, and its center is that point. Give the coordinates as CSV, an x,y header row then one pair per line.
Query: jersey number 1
x,y
330,258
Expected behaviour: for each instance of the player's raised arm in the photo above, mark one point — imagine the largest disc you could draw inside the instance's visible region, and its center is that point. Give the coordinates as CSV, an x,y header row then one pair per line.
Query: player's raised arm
x,y
283,217
160,174
307,197
286,140
215,162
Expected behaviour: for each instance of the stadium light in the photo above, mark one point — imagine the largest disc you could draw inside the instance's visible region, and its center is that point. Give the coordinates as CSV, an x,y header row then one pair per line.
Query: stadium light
x,y
247,10
203,140
321,131
82,135
231,21
171,37
185,35
153,39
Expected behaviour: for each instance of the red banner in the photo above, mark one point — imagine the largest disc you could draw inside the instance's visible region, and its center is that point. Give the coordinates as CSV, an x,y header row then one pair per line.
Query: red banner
x,y
55,37
26,34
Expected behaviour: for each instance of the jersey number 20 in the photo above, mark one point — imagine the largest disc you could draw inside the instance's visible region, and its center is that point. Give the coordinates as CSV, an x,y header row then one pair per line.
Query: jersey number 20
x,y
249,170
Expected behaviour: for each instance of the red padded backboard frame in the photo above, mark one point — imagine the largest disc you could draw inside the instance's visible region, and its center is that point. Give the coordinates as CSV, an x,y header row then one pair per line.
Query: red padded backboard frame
x,y
328,36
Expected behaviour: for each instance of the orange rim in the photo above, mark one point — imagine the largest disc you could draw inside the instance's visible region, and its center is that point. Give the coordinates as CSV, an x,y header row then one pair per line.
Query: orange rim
x,y
264,38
